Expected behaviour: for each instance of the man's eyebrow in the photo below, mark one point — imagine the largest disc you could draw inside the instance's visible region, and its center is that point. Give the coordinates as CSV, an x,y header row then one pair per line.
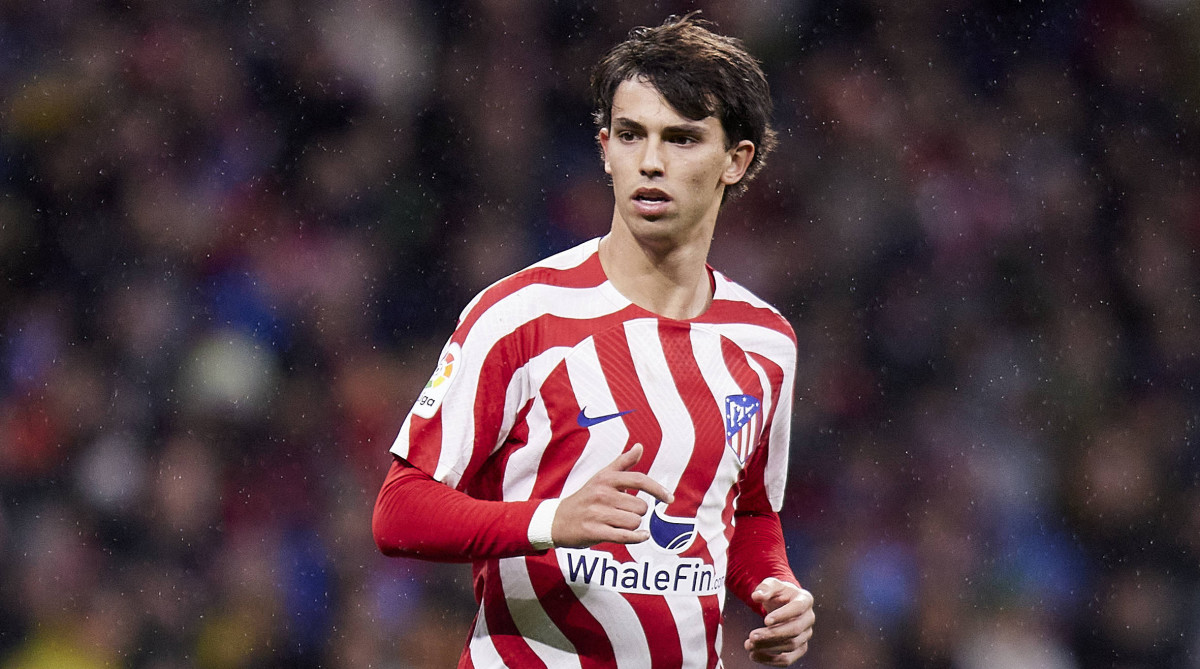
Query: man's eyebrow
x,y
686,129
626,124
675,129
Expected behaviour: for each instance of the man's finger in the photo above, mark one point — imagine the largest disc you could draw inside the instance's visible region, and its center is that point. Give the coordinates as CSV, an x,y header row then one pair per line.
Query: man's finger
x,y
624,519
772,587
626,461
784,636
634,482
618,536
773,594
788,623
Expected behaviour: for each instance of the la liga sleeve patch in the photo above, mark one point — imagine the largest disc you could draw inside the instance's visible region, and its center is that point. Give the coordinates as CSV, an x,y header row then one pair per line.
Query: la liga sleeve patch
x,y
434,391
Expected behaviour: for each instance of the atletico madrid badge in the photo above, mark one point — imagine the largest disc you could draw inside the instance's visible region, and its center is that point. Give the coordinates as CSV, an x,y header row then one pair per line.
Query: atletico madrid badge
x,y
742,421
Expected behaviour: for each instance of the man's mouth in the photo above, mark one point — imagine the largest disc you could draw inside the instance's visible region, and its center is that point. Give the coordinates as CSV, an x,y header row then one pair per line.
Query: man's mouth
x,y
650,196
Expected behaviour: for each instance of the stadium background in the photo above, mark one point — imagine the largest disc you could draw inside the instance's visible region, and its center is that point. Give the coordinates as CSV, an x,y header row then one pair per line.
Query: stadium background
x,y
234,234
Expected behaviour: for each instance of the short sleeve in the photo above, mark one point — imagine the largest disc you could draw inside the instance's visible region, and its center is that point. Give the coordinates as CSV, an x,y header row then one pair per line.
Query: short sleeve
x,y
464,410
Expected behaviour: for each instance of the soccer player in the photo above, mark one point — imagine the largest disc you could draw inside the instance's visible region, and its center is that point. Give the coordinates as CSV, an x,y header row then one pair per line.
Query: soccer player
x,y
605,436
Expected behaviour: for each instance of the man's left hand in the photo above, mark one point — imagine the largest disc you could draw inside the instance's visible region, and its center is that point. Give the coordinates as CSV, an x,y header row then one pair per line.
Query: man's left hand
x,y
788,623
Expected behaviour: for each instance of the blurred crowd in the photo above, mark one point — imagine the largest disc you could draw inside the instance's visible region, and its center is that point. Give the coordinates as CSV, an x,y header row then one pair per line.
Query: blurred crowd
x,y
233,236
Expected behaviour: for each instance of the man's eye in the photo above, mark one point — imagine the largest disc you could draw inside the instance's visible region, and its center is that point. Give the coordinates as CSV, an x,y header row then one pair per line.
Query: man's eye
x,y
626,136
683,140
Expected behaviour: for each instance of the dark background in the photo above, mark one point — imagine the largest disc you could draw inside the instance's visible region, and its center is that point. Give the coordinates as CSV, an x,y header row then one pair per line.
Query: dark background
x,y
233,236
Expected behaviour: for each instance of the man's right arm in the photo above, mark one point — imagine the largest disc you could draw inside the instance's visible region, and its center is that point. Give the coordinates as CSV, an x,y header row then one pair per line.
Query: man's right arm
x,y
418,516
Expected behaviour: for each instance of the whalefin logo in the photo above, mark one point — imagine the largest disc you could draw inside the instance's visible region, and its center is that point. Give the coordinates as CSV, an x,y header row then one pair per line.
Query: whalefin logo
x,y
585,568
671,533
742,419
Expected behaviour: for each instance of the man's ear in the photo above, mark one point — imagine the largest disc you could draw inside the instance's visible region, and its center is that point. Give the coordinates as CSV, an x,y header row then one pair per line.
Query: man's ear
x,y
739,161
602,139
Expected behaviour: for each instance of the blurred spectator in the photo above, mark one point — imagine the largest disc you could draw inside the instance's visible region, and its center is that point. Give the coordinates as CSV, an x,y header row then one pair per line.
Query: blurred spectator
x,y
232,236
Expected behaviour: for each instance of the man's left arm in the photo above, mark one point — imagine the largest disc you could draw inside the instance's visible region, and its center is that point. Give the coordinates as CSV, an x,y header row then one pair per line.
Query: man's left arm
x,y
758,571
759,575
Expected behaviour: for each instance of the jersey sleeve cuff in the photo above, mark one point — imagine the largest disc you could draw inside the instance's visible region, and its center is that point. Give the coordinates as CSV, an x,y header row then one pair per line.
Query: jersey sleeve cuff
x,y
541,524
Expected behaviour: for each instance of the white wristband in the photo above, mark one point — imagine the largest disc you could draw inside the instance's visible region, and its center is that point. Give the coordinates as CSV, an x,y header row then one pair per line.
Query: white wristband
x,y
542,524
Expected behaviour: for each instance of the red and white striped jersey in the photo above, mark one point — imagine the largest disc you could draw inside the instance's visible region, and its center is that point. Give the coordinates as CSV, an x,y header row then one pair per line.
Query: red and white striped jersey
x,y
548,377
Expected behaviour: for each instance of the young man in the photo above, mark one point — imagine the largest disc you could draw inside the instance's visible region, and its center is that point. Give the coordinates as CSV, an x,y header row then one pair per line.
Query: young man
x,y
606,434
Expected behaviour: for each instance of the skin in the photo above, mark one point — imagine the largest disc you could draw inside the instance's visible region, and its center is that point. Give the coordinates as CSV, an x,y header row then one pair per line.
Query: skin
x,y
607,508
787,627
669,174
655,252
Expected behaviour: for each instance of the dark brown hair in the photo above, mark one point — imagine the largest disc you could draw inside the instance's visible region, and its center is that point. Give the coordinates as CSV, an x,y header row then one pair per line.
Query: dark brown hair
x,y
700,74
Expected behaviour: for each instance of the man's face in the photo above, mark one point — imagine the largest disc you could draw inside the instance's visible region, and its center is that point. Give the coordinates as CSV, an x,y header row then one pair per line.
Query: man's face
x,y
668,171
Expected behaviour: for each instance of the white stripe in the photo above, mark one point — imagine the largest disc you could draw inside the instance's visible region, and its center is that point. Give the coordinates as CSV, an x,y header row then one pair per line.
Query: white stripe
x,y
620,622
520,473
400,445
520,387
778,348
689,622
572,257
771,344
532,621
606,440
499,321
674,454
775,476
721,383
483,651
727,289
654,376
777,453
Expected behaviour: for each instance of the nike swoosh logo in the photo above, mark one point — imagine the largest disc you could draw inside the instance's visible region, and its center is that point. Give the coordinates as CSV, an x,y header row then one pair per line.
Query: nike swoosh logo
x,y
585,421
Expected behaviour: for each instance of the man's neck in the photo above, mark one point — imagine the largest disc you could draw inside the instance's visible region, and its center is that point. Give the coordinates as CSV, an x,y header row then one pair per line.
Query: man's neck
x,y
670,280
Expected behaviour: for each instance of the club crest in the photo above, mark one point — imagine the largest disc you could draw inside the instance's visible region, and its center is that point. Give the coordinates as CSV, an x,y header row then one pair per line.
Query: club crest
x,y
742,424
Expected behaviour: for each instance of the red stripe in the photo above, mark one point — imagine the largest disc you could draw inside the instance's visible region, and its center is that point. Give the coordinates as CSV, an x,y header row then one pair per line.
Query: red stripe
x,y
751,487
775,378
709,421
711,606
657,621
706,415
509,354
735,312
502,631
750,384
727,513
488,482
569,440
666,649
572,618
616,363
464,660
425,442
587,274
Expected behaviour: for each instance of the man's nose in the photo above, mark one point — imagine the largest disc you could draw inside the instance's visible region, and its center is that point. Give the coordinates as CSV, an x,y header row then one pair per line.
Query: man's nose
x,y
651,163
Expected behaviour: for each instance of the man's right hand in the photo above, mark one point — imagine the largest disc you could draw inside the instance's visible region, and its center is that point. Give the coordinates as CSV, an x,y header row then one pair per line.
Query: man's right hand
x,y
607,508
